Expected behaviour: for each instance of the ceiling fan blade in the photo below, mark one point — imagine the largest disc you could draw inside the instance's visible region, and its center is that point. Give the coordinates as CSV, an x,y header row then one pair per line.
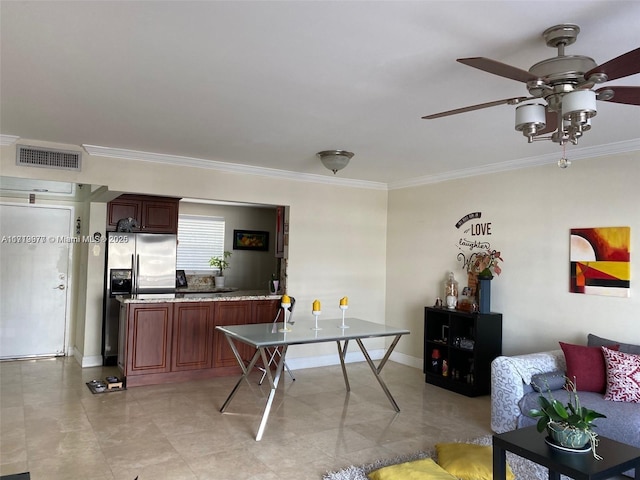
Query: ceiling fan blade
x,y
622,66
628,95
552,123
511,101
497,68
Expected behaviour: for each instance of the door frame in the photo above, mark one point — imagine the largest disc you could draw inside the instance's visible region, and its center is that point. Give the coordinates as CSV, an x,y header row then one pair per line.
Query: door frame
x,y
71,290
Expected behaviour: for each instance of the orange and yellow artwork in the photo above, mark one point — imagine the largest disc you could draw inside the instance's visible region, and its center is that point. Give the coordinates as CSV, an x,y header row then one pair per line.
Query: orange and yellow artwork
x,y
600,261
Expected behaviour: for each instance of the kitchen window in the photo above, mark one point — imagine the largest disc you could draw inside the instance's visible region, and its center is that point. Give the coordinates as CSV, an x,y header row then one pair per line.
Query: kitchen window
x,y
199,239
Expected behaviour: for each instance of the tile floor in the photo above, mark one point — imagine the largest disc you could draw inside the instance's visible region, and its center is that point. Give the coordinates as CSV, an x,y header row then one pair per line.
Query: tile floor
x,y
54,427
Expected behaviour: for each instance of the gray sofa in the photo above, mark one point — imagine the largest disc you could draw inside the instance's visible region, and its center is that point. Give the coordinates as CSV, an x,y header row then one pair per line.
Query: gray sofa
x,y
512,394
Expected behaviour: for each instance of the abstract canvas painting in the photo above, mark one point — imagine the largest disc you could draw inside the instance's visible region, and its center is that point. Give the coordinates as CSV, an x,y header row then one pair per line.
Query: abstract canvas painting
x,y
600,261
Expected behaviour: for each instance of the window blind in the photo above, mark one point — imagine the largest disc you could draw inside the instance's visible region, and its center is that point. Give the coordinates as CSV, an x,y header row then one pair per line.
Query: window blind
x,y
199,239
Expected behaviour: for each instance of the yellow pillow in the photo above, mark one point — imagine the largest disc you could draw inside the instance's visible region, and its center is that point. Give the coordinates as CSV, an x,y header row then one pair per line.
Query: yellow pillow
x,y
425,469
468,461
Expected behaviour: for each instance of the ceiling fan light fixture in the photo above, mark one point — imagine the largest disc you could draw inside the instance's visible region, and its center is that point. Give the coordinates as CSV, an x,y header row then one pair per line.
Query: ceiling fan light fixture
x,y
530,119
564,84
335,160
579,103
578,107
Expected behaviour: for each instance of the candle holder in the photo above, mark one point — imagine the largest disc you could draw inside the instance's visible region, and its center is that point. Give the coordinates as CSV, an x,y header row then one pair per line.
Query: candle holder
x,y
316,314
285,328
344,309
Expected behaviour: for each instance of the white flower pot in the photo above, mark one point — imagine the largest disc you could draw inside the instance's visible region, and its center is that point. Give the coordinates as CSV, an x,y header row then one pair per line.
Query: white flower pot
x,y
219,281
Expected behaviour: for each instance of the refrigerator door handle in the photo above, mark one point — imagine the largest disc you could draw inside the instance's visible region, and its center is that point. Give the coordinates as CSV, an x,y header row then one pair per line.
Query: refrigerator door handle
x,y
137,272
134,276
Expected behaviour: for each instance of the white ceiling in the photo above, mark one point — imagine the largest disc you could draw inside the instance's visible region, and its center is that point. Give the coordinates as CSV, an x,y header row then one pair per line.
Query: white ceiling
x,y
270,83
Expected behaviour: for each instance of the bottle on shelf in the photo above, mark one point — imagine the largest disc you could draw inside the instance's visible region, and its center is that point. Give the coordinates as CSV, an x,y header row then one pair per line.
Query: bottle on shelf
x,y
435,360
445,368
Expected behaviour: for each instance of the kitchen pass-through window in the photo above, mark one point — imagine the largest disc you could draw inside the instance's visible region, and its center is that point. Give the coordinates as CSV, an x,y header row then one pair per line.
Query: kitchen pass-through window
x,y
199,239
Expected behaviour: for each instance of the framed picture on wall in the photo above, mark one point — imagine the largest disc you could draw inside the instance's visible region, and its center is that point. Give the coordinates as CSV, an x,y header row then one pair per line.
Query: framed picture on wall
x,y
250,240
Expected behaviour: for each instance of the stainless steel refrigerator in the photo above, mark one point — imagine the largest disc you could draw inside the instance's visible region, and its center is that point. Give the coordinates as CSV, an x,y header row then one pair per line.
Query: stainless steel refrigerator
x,y
136,263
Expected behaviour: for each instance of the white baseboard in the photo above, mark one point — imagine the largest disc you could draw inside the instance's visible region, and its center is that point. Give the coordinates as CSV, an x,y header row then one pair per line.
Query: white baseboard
x,y
294,363
86,362
326,360
407,360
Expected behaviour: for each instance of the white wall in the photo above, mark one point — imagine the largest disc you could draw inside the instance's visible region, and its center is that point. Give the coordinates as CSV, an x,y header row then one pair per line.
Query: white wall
x,y
391,264
337,236
531,211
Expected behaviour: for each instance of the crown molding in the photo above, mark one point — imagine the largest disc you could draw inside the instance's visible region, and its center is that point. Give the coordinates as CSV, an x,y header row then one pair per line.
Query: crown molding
x,y
6,140
550,158
526,162
125,154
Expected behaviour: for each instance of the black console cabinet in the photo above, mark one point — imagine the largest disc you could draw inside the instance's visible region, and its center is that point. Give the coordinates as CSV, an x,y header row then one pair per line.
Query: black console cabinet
x,y
464,344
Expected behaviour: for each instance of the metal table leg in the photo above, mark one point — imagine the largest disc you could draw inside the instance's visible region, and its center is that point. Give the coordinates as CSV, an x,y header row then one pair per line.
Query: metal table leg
x,y
342,353
273,383
245,371
376,370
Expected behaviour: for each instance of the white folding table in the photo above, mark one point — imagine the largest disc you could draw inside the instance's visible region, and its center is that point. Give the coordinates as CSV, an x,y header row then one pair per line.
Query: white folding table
x,y
262,336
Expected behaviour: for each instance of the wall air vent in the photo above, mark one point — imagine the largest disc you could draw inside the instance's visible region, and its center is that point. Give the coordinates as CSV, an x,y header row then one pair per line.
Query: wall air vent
x,y
28,156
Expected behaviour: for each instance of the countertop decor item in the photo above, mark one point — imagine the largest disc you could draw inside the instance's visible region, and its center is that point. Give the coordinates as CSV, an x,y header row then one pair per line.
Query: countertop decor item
x,y
485,264
344,305
480,271
274,284
451,291
285,303
221,263
569,425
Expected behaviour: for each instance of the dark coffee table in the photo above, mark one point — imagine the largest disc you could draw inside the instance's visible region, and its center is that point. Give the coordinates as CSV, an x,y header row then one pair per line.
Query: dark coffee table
x,y
528,443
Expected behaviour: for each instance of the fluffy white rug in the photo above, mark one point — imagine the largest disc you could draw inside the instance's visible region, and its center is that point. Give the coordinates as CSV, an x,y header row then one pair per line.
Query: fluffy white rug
x,y
523,469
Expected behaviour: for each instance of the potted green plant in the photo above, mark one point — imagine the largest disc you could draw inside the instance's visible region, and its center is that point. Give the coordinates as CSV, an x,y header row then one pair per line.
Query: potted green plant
x,y
221,263
569,425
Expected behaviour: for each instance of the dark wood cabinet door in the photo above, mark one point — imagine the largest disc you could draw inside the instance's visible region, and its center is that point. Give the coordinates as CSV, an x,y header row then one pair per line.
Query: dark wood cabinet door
x,y
153,214
231,313
265,311
193,325
123,208
160,216
149,338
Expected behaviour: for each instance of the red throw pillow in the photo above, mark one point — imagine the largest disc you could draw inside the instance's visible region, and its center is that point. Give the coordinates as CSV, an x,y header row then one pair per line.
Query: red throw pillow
x,y
586,367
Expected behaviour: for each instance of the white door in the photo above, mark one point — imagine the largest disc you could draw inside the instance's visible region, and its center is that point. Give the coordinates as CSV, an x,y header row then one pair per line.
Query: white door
x,y
34,267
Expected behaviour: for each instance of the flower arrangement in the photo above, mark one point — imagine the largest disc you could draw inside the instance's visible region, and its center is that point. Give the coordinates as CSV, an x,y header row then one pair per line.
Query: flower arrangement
x,y
485,264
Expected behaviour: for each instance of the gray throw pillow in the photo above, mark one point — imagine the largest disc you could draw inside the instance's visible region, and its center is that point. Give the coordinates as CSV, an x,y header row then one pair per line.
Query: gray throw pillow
x,y
546,382
595,341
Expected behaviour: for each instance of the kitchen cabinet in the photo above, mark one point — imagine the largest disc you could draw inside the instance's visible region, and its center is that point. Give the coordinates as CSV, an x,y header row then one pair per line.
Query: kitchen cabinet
x,y
162,342
459,348
239,313
231,313
153,214
192,344
148,342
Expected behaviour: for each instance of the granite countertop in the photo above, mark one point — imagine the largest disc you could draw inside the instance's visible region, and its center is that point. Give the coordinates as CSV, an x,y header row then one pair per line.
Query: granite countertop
x,y
212,295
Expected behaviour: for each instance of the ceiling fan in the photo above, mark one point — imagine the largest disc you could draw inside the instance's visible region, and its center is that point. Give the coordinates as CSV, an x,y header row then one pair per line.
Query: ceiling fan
x,y
561,101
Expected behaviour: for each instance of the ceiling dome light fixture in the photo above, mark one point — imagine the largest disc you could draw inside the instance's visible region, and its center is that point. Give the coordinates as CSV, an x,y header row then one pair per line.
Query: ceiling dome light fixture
x,y
335,160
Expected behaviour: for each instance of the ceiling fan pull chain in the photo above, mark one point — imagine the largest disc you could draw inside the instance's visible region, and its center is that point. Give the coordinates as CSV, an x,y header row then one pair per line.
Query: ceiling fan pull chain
x,y
564,162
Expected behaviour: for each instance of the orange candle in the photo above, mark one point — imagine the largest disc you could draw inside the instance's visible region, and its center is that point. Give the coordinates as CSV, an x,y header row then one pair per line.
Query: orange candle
x,y
344,301
316,305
